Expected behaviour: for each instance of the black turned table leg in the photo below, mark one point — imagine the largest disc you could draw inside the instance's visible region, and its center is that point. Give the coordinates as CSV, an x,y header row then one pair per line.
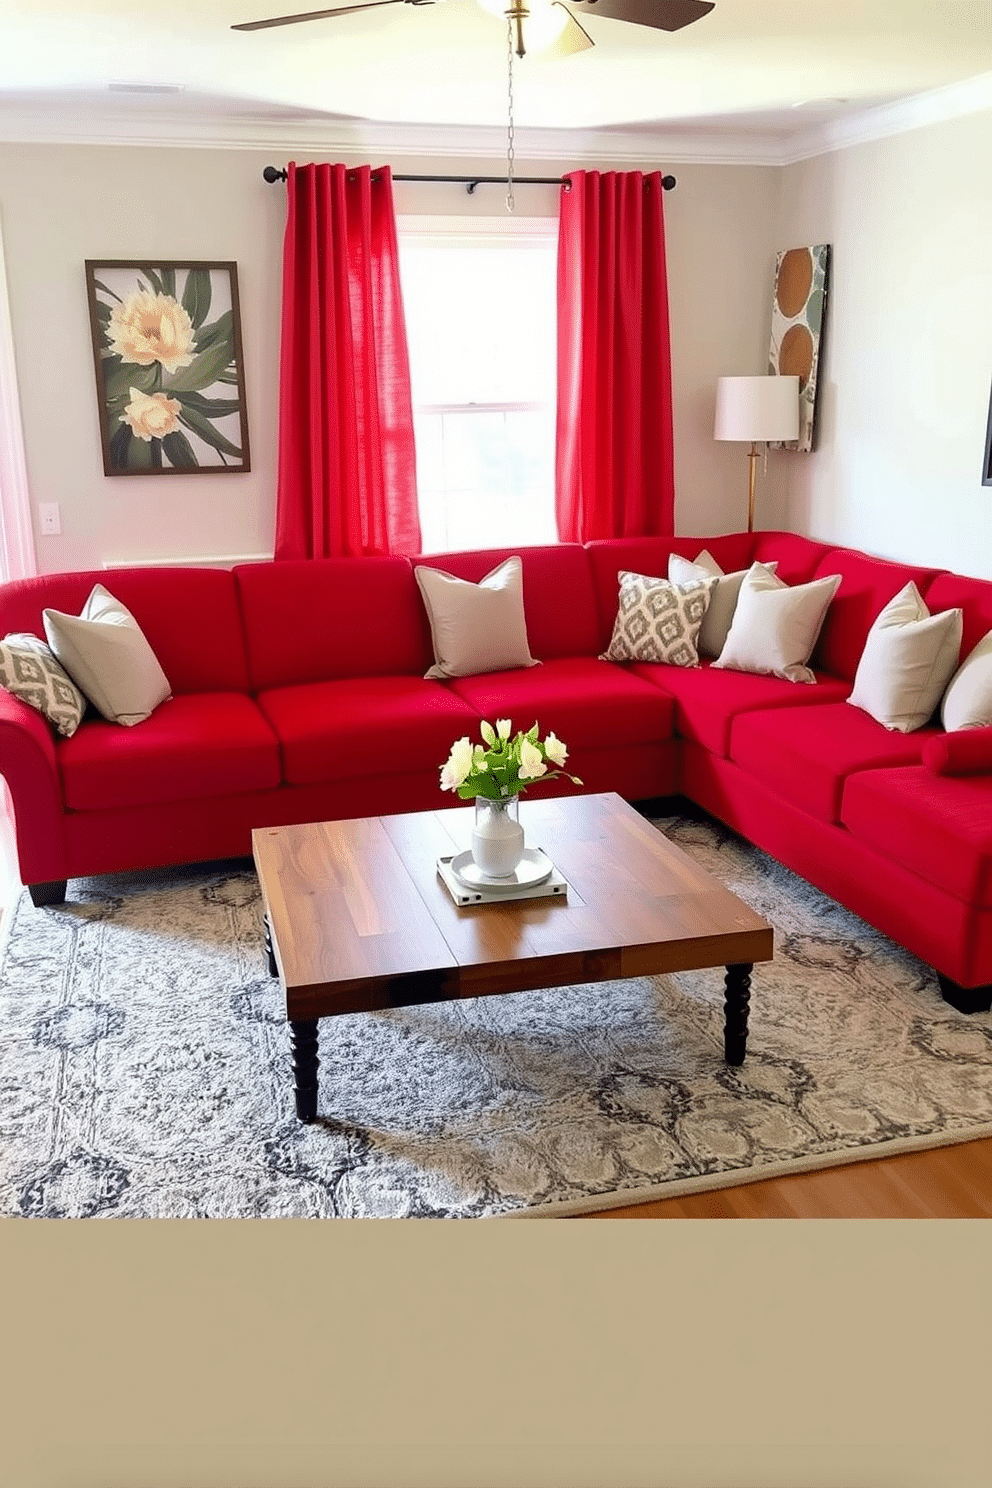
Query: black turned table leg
x,y
305,1062
737,997
273,968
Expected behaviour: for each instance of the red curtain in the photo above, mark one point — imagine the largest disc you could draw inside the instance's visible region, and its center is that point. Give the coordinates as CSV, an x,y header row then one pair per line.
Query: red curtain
x,y
347,467
615,474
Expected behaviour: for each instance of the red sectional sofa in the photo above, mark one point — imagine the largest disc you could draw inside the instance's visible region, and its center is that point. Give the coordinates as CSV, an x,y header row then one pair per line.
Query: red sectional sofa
x,y
299,695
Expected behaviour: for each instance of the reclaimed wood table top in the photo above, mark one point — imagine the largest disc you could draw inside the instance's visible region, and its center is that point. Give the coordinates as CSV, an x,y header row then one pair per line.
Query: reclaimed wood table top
x,y
360,920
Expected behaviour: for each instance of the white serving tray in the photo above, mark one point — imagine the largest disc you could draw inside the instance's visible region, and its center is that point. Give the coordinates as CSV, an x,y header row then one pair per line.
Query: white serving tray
x,y
551,886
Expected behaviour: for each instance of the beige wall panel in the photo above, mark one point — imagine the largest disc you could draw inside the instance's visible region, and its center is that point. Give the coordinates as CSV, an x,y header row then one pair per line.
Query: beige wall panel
x,y
63,204
907,364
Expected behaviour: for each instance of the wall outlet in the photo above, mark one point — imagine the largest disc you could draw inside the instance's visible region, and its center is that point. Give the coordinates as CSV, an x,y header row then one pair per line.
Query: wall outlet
x,y
51,521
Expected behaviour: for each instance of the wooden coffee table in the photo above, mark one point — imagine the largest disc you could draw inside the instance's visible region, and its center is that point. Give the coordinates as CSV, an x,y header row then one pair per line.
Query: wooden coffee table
x,y
358,920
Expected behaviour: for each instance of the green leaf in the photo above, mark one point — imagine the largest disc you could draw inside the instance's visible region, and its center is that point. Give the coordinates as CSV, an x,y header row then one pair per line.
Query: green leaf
x,y
153,280
139,454
105,289
532,733
178,451
169,282
119,445
203,371
221,329
196,295
103,314
155,446
120,377
205,429
209,407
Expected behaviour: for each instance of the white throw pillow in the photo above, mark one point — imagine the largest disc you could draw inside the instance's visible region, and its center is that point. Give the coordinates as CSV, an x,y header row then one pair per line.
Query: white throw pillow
x,y
908,658
476,627
723,601
775,625
29,670
657,620
968,699
107,656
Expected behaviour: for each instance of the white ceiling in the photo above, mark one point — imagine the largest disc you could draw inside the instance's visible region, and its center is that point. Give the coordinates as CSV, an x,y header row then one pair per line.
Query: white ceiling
x,y
769,68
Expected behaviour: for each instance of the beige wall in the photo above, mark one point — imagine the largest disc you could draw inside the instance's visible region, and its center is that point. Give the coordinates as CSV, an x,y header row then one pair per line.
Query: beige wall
x,y
907,361
60,205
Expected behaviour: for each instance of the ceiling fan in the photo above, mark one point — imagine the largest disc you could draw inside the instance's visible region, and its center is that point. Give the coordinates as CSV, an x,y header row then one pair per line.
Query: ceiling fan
x,y
570,36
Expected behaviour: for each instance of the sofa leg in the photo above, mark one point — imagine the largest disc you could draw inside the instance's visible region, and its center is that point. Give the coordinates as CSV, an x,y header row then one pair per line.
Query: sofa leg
x,y
965,999
47,893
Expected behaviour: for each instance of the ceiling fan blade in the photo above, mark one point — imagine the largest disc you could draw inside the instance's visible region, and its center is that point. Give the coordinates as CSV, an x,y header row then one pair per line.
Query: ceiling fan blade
x,y
574,38
663,15
319,15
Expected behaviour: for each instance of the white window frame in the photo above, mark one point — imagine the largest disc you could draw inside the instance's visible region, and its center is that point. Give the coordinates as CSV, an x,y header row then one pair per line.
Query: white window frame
x,y
480,232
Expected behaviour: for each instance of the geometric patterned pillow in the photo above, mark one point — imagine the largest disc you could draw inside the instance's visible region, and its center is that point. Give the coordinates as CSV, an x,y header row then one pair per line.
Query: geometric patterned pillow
x,y
658,620
29,670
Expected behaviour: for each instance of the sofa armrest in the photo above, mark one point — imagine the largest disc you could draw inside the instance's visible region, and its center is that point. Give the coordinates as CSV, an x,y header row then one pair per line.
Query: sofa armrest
x,y
29,765
965,752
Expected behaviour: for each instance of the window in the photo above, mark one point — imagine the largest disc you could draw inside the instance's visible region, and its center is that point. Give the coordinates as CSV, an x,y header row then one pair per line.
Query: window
x,y
479,299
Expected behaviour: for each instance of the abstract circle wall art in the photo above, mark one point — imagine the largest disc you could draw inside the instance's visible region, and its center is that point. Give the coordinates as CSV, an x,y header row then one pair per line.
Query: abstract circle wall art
x,y
798,305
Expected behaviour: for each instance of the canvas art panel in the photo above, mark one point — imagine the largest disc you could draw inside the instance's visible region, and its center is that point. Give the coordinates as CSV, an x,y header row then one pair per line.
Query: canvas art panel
x,y
798,306
169,368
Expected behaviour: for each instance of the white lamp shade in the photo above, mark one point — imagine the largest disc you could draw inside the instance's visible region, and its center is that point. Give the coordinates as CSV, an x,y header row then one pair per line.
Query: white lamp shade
x,y
756,409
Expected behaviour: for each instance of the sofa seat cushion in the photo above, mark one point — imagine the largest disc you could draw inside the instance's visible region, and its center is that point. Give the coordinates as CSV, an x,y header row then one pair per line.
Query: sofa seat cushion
x,y
584,701
805,754
364,726
708,699
201,744
938,827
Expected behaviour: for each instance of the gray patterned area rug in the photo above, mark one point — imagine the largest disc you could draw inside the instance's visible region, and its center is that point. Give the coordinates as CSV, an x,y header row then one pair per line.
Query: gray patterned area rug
x,y
145,1067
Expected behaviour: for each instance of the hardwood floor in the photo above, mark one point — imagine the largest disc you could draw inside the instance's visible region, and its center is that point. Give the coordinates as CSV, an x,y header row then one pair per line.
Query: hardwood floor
x,y
944,1183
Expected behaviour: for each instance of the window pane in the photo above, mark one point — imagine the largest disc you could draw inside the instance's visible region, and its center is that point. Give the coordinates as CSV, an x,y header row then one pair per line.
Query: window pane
x,y
481,327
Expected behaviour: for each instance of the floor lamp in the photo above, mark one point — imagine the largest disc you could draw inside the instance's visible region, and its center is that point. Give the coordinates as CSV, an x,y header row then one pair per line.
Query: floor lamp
x,y
755,410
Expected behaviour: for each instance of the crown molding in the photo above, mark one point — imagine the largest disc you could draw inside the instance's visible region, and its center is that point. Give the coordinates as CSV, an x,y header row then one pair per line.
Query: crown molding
x,y
972,96
689,143
172,129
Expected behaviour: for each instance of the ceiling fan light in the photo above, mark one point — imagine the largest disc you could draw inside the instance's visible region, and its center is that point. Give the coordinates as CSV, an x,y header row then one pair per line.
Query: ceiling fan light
x,y
543,20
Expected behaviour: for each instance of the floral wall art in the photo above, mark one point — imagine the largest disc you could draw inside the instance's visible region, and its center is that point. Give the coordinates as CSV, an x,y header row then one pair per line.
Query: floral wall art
x,y
169,370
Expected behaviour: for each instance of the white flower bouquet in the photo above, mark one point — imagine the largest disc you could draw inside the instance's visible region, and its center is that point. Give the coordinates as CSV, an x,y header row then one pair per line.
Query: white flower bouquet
x,y
503,766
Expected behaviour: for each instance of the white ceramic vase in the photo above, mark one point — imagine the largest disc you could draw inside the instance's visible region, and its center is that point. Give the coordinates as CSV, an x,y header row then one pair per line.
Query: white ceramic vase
x,y
497,837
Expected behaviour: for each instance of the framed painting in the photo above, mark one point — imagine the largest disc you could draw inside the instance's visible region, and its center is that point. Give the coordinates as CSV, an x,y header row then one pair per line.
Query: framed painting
x,y
169,370
987,467
798,305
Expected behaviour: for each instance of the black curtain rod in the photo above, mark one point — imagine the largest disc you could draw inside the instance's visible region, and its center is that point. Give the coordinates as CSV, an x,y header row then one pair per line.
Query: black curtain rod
x,y
272,173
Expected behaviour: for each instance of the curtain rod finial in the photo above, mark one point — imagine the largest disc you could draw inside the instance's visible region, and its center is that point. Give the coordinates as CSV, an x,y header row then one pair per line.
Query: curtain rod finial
x,y
272,173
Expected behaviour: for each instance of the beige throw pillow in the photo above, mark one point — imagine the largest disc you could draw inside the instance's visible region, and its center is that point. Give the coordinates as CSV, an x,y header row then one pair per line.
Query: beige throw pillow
x,y
476,627
107,656
723,601
658,620
775,625
968,699
908,658
30,671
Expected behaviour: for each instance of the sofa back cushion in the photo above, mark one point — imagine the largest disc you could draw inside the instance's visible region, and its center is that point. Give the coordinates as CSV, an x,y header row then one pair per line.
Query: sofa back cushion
x,y
798,558
322,618
867,584
609,556
559,600
189,617
973,596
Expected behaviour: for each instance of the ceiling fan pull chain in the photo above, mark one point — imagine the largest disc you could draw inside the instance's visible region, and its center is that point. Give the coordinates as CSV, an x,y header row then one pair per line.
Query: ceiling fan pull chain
x,y
510,204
